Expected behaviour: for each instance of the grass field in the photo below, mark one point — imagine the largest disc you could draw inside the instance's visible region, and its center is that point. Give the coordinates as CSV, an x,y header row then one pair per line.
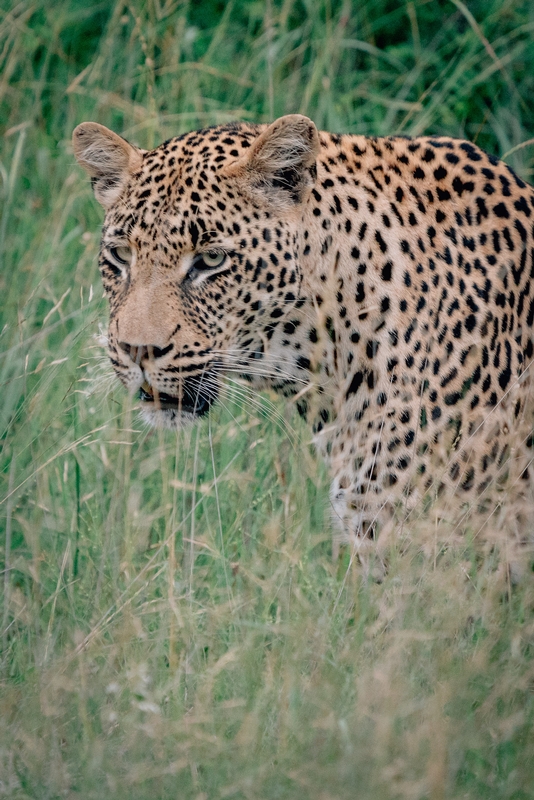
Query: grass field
x,y
173,625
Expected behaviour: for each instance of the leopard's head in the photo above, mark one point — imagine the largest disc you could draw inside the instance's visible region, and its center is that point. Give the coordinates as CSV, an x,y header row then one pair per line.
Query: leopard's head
x,y
200,252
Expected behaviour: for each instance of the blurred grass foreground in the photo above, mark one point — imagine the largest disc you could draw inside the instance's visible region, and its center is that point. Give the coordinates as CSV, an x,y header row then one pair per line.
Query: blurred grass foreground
x,y
173,625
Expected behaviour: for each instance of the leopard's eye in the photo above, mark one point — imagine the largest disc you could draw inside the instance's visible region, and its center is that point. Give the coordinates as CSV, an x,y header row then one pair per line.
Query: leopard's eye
x,y
122,254
210,259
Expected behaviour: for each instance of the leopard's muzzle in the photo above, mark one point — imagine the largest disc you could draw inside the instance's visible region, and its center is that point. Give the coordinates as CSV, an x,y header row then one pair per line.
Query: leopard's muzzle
x,y
193,399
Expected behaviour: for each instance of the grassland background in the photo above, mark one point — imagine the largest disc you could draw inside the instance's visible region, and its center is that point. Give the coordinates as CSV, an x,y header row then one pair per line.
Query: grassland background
x,y
172,623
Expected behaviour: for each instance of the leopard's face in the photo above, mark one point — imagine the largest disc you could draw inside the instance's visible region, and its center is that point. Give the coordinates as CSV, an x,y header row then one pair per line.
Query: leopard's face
x,y
199,260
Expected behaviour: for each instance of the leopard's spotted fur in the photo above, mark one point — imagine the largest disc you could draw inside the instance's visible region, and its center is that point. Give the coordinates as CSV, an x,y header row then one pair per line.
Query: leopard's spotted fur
x,y
388,284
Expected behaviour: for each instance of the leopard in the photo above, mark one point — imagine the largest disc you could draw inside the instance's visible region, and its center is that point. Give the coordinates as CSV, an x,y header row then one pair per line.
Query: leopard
x,y
384,285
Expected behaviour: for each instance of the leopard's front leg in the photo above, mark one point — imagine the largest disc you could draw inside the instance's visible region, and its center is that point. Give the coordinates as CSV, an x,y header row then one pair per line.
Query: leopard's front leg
x,y
367,474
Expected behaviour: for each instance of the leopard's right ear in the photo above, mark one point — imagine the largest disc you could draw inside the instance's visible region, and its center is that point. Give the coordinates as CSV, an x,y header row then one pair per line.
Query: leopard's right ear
x,y
108,159
280,166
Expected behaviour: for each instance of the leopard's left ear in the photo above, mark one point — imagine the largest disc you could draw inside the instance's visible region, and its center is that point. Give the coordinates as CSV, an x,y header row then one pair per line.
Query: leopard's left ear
x,y
107,158
280,166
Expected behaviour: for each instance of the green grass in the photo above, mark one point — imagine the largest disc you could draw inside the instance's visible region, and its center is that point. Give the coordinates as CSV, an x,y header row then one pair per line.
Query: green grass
x,y
173,625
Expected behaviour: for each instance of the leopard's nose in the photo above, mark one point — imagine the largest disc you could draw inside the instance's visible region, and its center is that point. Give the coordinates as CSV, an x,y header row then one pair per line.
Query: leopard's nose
x,y
144,352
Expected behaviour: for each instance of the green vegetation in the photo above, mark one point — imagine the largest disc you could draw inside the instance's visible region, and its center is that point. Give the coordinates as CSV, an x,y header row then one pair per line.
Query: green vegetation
x,y
173,625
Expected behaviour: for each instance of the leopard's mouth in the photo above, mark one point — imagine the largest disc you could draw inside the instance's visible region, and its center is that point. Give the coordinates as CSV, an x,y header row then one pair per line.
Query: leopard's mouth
x,y
195,399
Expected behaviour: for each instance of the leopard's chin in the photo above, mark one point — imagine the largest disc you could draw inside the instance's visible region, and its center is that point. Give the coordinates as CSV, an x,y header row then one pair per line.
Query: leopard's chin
x,y
162,410
168,418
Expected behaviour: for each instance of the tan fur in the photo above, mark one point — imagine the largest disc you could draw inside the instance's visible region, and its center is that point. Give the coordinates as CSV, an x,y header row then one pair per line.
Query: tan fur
x,y
387,285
